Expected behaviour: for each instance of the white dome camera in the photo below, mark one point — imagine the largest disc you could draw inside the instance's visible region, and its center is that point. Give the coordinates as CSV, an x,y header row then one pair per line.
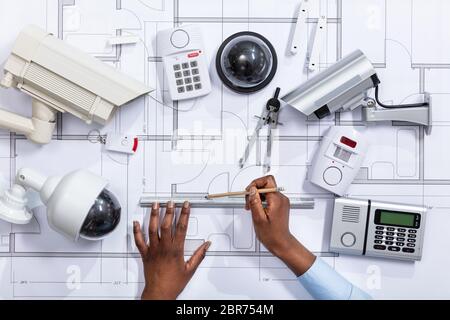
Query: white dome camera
x,y
78,204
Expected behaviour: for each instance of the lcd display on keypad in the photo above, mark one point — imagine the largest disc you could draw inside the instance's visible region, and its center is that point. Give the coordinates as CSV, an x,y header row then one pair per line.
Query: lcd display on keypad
x,y
398,219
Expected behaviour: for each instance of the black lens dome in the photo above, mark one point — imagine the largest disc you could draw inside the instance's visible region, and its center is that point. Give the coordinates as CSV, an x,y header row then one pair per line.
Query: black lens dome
x,y
246,62
103,217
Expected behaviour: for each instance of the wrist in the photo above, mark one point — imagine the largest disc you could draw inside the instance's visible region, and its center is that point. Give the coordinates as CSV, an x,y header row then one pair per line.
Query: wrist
x,y
285,248
154,294
295,256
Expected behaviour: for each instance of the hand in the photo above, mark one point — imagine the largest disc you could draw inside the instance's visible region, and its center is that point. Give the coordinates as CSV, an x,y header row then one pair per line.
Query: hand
x,y
271,223
166,272
272,226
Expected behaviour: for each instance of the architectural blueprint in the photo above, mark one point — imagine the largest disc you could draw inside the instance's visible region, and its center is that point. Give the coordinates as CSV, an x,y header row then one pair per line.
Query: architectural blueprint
x,y
191,148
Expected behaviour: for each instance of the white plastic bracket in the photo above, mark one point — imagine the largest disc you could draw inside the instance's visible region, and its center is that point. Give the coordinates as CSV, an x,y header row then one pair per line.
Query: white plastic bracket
x,y
318,44
296,40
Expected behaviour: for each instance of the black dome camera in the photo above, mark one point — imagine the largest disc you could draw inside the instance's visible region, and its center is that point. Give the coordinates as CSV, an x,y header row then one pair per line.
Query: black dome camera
x,y
246,62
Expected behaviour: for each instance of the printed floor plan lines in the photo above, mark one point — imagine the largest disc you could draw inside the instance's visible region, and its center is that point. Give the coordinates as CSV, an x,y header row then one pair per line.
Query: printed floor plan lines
x,y
191,148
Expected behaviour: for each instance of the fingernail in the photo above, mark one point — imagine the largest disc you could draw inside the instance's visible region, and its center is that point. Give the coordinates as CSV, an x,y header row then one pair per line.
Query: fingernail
x,y
171,205
208,244
186,204
253,191
155,205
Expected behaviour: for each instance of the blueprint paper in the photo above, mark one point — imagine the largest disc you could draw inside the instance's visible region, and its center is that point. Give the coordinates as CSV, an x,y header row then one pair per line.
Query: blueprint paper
x,y
187,154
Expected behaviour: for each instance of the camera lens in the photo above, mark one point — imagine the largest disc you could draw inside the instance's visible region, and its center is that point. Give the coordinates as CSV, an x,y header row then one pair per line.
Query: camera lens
x,y
246,62
103,217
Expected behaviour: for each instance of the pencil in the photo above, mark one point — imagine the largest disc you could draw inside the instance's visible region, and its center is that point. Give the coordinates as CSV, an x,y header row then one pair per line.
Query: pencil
x,y
241,193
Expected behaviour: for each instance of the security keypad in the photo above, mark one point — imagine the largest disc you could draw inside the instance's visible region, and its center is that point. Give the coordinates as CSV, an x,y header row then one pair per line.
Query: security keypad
x,y
378,229
185,62
390,238
187,77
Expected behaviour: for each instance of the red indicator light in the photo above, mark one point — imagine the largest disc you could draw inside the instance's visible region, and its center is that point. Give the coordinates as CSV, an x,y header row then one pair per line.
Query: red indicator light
x,y
193,55
348,142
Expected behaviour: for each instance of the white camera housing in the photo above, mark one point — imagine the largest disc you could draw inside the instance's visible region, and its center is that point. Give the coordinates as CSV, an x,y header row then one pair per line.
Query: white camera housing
x,y
343,85
76,203
62,78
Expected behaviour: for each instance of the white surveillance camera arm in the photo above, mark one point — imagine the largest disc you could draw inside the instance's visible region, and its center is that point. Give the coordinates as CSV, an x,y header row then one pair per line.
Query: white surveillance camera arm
x,y
39,128
29,178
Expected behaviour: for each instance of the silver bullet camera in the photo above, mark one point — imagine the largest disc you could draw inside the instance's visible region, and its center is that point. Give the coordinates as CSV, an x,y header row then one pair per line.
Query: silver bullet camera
x,y
343,85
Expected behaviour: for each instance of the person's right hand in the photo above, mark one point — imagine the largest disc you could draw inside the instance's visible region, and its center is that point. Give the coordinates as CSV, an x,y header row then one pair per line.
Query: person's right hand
x,y
272,222
272,226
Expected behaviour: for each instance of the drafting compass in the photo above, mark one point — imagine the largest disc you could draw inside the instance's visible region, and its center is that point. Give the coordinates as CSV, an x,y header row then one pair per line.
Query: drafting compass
x,y
268,118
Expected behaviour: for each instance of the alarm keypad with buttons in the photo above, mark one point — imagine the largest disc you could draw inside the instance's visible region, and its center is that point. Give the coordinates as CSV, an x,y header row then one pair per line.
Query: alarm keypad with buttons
x,y
390,238
379,229
185,64
190,81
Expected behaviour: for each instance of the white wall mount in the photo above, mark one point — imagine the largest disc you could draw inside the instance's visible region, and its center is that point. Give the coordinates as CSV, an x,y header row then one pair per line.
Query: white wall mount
x,y
13,202
13,206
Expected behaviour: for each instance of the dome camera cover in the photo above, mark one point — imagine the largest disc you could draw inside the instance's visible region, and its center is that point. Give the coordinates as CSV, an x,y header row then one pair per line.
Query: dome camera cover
x,y
80,206
103,217
246,62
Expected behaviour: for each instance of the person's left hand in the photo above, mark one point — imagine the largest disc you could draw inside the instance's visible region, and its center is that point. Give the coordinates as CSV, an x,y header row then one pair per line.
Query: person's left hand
x,y
166,272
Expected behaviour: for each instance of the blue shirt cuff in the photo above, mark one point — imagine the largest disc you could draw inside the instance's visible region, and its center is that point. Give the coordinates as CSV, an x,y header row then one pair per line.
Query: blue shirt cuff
x,y
324,283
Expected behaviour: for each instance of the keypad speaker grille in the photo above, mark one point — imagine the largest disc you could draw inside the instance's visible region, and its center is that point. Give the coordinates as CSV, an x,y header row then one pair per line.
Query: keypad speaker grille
x,y
351,214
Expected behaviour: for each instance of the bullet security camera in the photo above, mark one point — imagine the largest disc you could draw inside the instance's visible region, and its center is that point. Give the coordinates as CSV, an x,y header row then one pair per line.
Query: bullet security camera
x,y
62,78
78,204
343,85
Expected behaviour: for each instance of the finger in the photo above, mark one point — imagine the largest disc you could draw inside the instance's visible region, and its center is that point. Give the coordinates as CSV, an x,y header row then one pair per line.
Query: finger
x,y
153,225
182,225
247,205
265,182
258,213
197,257
247,198
139,239
275,203
273,199
167,224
